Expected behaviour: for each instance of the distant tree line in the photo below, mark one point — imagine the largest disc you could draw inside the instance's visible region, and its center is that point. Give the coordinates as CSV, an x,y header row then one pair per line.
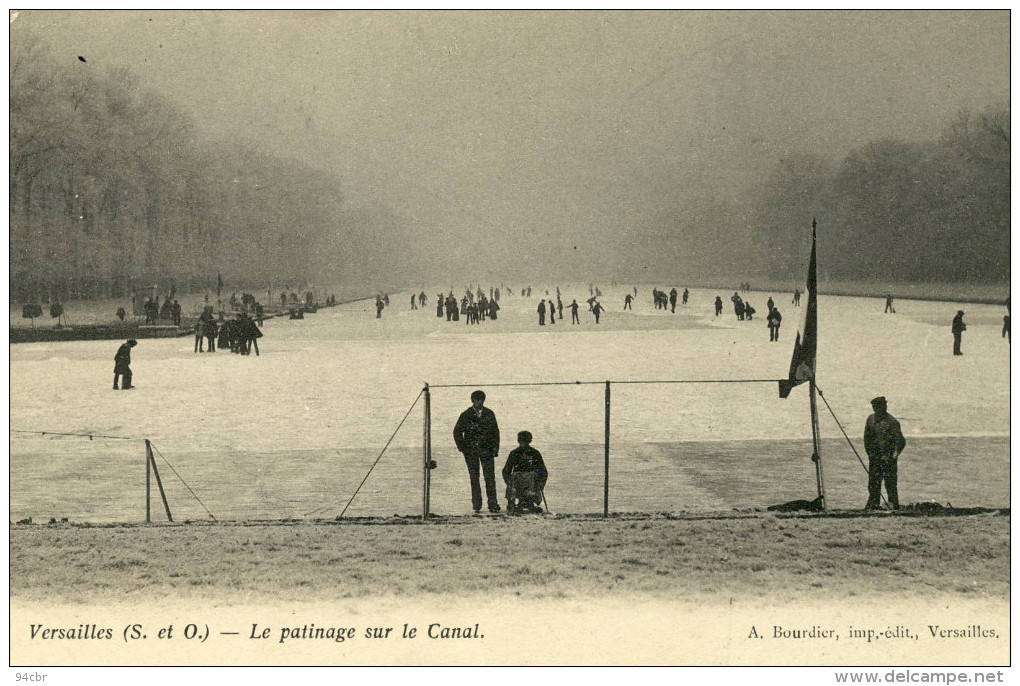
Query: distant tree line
x,y
890,211
111,187
895,210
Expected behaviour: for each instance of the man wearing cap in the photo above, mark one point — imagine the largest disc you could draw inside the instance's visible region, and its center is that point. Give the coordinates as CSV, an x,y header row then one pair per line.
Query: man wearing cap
x,y
122,364
958,328
477,437
883,441
525,476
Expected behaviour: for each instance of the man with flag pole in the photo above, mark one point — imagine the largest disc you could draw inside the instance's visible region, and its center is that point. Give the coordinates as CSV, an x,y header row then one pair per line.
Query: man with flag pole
x,y
803,361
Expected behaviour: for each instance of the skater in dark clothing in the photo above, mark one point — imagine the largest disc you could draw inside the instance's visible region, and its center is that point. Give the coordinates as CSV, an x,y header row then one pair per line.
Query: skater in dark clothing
x,y
477,437
493,308
573,313
552,312
686,295
597,310
770,304
718,305
738,306
774,321
796,297
260,314
749,311
175,312
559,306
199,334
439,307
210,331
883,441
672,300
541,313
414,302
422,299
888,305
627,300
958,328
122,365
525,476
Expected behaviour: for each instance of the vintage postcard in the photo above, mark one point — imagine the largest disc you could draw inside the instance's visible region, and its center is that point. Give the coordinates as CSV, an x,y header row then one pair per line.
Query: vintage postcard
x,y
511,338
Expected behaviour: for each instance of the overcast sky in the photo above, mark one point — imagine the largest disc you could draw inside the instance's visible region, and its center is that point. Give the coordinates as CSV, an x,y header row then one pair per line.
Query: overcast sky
x,y
484,132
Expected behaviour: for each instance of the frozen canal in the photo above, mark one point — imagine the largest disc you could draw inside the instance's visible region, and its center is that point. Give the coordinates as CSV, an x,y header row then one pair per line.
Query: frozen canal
x,y
292,432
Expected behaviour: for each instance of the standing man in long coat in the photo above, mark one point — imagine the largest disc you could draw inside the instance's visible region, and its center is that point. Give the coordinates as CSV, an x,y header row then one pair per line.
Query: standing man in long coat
x,y
958,328
883,441
477,437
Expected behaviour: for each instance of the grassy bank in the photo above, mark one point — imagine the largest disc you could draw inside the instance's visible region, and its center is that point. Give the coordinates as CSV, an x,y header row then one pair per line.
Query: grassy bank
x,y
760,555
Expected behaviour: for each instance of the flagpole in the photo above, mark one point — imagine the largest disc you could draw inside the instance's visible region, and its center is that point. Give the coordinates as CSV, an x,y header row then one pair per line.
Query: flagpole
x,y
816,456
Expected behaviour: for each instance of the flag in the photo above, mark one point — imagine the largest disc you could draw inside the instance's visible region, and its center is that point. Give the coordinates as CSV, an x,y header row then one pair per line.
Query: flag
x,y
805,348
219,283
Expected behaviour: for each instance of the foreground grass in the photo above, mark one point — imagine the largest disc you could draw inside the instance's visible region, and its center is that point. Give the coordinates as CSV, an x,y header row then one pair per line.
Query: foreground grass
x,y
763,555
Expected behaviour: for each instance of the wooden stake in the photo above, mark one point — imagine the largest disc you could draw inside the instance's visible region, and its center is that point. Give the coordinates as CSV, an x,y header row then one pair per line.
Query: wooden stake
x,y
816,441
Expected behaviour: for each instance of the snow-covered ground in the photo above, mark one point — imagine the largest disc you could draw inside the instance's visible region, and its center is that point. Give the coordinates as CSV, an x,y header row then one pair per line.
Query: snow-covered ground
x,y
293,431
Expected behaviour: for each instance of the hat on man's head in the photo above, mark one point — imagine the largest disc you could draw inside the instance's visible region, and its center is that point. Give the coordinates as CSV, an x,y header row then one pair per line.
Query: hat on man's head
x,y
478,395
878,402
132,341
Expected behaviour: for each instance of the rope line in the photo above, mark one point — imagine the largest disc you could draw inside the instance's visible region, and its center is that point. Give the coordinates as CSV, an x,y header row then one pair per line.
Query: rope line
x,y
600,383
358,489
89,436
211,516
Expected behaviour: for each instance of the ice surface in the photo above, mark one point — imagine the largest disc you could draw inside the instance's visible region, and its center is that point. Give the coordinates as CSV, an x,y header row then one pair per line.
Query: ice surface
x,y
294,430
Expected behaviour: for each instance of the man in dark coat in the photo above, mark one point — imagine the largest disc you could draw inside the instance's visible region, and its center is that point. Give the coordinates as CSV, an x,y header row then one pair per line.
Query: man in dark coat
x,y
883,441
958,328
122,365
477,437
672,300
541,313
525,476
687,294
774,321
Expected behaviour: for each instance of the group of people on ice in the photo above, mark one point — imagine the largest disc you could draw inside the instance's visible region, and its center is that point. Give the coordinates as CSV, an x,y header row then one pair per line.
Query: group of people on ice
x,y
240,335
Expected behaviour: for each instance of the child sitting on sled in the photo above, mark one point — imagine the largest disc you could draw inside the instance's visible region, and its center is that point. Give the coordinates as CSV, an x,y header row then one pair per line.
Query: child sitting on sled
x,y
525,476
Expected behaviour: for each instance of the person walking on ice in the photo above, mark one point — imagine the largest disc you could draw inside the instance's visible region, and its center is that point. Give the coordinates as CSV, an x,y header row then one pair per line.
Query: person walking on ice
x,y
888,304
597,310
122,365
958,328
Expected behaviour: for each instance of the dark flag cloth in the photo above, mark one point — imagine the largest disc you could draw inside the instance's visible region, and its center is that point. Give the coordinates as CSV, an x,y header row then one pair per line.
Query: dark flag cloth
x,y
805,348
219,283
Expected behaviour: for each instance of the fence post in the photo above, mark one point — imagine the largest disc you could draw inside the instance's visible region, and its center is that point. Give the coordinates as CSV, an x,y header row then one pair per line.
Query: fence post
x,y
426,477
148,481
605,492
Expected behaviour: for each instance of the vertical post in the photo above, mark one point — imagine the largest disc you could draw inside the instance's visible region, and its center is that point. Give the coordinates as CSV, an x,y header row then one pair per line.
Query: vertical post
x,y
605,490
424,456
816,441
428,451
159,484
148,482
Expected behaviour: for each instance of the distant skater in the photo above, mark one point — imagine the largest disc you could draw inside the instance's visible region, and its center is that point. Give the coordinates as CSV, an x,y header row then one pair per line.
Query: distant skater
x,y
958,328
414,302
627,300
672,300
774,321
686,295
573,313
718,305
796,297
597,310
1005,327
122,365
541,313
888,305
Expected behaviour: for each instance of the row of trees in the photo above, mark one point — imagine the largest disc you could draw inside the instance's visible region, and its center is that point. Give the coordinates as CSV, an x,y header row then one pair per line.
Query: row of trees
x,y
111,187
890,211
896,210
